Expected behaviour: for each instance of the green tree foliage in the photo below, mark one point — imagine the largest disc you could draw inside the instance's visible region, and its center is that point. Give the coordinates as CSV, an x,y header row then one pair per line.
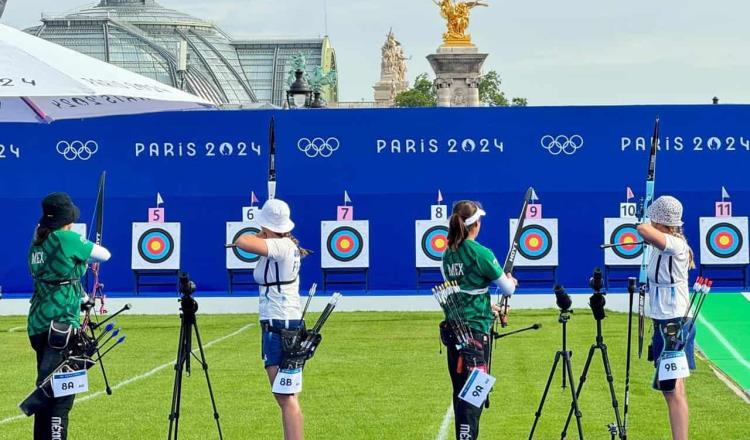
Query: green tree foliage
x,y
490,93
421,95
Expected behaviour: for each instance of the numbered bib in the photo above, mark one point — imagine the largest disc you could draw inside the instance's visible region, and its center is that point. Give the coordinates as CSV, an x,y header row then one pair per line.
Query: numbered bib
x,y
673,365
73,382
288,382
476,388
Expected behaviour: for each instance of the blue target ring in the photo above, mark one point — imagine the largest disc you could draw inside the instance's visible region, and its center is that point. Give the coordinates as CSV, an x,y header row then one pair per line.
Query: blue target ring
x,y
535,242
724,240
434,242
247,257
155,245
344,244
626,235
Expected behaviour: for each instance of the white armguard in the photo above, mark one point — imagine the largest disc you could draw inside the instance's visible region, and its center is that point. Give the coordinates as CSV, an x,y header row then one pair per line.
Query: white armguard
x,y
99,254
506,285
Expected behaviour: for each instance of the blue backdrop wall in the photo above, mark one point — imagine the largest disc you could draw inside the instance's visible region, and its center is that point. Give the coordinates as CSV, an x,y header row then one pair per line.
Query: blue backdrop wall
x,y
392,162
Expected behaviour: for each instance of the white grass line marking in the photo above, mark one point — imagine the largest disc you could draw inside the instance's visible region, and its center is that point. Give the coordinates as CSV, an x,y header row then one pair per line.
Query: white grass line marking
x,y
443,433
746,295
138,377
733,351
15,329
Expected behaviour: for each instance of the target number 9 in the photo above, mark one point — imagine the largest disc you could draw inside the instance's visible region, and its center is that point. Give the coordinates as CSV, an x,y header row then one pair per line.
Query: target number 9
x,y
723,209
156,215
438,212
534,211
628,210
344,213
249,213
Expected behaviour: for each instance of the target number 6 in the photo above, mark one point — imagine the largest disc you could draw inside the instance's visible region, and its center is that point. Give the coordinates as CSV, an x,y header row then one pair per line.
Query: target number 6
x,y
249,213
156,215
344,213
534,211
723,209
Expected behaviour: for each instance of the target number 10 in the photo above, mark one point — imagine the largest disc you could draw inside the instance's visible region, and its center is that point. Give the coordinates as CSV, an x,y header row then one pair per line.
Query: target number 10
x,y
628,210
723,209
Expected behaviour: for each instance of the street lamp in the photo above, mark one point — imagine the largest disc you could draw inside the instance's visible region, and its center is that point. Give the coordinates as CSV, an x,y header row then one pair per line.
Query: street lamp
x,y
299,92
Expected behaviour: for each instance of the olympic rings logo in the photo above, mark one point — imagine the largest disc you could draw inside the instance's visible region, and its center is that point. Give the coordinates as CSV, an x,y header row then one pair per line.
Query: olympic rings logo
x,y
318,147
77,149
562,144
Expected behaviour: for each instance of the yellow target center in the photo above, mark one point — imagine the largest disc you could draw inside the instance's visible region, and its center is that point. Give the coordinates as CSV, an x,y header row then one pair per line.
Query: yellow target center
x,y
155,246
628,239
346,244
534,242
440,243
724,240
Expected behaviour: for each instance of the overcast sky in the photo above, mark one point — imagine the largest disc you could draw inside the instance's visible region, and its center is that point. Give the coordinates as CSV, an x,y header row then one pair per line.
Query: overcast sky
x,y
551,52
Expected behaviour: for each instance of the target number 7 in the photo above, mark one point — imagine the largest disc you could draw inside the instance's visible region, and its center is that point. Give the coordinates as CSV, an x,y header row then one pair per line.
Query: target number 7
x,y
344,213
156,215
534,211
723,209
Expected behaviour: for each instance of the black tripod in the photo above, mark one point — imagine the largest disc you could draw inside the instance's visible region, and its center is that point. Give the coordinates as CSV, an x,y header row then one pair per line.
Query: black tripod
x,y
565,355
184,351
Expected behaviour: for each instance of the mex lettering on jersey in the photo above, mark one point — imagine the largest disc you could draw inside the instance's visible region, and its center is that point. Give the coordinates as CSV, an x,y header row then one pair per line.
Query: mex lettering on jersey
x,y
456,270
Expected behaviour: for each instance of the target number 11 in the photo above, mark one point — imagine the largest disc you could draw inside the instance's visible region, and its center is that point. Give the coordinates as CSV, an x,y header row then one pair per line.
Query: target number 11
x,y
723,209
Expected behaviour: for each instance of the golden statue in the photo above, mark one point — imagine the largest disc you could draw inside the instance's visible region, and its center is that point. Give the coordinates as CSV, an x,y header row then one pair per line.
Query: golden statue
x,y
457,14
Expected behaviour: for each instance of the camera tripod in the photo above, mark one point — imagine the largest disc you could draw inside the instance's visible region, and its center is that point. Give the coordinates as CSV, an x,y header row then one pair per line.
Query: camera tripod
x,y
184,351
567,369
601,346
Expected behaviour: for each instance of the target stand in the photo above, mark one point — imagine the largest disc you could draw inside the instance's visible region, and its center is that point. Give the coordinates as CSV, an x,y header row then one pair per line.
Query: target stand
x,y
155,254
724,252
622,261
345,253
537,256
431,241
240,264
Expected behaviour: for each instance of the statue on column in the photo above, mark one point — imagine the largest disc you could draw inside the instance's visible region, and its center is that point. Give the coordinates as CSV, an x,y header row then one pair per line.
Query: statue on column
x,y
392,71
457,13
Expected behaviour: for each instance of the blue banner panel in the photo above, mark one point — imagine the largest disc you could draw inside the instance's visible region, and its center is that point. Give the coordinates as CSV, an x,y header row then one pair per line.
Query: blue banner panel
x,y
392,163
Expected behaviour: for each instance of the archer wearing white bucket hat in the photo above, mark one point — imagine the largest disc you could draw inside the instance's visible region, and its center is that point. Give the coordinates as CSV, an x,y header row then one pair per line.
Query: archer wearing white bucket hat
x,y
277,274
669,299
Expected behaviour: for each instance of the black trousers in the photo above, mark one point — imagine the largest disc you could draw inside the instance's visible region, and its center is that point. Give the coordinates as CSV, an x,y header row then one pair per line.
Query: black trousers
x,y
465,414
50,423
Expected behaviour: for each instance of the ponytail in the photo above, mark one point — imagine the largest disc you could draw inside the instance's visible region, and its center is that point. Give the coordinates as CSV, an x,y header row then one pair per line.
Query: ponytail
x,y
458,232
40,234
678,231
302,251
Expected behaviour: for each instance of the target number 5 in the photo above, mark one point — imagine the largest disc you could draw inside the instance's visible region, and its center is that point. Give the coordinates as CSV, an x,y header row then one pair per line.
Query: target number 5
x,y
344,213
723,209
534,211
156,215
438,212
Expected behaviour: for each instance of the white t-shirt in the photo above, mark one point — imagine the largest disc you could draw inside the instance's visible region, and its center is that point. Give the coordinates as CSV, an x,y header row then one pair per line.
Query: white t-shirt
x,y
668,291
282,264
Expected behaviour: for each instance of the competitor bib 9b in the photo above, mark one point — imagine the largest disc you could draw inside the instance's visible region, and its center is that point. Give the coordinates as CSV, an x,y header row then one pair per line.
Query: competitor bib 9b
x,y
673,365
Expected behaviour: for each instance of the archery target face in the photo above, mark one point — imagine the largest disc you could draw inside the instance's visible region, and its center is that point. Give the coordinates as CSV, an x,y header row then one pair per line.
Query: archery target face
x,y
724,240
537,245
345,244
236,257
622,231
156,246
431,242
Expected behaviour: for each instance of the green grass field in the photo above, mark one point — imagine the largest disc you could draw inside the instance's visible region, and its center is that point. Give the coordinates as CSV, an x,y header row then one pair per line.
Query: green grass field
x,y
375,376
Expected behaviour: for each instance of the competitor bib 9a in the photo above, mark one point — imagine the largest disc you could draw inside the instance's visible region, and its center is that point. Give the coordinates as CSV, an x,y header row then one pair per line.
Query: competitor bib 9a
x,y
673,365
477,387
288,381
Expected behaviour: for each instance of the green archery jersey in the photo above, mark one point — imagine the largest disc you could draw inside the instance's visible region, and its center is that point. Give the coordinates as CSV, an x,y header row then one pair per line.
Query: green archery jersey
x,y
62,257
474,267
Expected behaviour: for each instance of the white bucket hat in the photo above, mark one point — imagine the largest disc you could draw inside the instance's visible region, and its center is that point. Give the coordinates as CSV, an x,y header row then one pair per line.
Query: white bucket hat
x,y
274,216
667,211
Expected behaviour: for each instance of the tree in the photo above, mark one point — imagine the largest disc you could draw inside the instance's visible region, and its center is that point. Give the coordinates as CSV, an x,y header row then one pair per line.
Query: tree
x,y
421,95
490,93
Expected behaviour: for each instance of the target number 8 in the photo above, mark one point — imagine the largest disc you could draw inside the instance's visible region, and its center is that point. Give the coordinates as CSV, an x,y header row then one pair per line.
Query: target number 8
x,y
439,212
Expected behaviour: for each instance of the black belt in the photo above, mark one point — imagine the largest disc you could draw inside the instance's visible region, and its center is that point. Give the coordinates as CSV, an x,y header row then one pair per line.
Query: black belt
x,y
59,282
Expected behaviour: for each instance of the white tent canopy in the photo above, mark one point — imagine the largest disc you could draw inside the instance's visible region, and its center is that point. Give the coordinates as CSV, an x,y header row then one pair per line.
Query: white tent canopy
x,y
42,80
